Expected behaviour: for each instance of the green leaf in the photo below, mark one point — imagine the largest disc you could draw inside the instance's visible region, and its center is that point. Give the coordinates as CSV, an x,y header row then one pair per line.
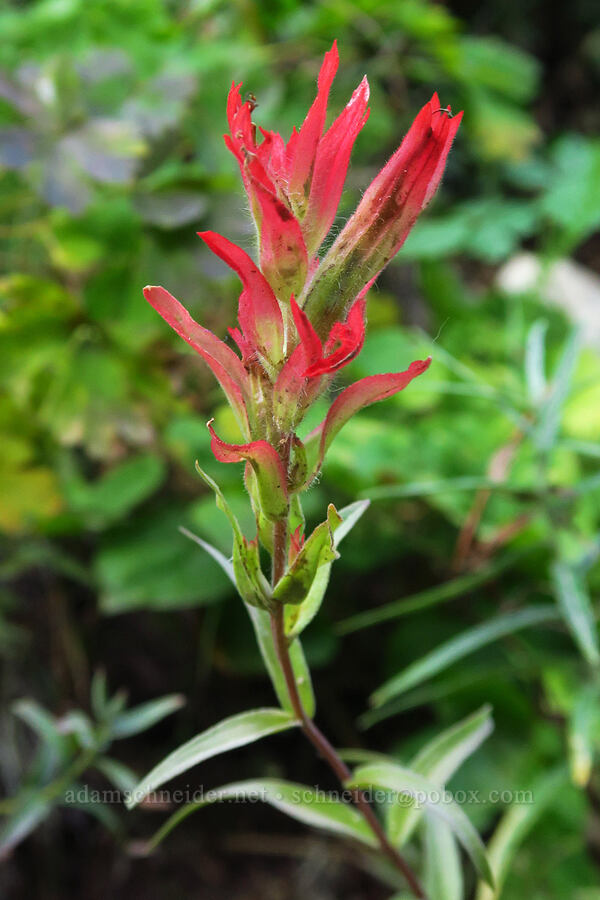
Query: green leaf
x,y
438,761
576,609
295,584
443,872
144,716
546,430
147,564
459,647
513,829
249,579
220,558
424,599
403,781
117,773
236,731
535,369
261,622
296,800
582,734
350,515
31,811
298,617
118,491
40,721
573,196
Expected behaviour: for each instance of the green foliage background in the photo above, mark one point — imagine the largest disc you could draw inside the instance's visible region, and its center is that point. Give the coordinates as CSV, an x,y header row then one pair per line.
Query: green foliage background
x,y
111,157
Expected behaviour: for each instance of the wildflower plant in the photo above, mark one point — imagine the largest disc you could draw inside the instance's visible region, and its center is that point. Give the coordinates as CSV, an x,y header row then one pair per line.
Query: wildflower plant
x,y
301,318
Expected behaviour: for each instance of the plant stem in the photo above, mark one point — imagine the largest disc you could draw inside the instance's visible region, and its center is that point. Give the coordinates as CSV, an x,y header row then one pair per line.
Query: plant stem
x,y
324,747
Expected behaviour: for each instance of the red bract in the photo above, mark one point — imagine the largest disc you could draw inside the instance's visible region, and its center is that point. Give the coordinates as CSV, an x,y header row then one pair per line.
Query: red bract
x,y
290,350
259,313
362,393
384,217
307,174
344,343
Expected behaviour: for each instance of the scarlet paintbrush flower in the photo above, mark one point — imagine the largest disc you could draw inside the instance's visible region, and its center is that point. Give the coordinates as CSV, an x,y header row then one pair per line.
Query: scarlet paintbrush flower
x,y
304,177
384,217
291,350
344,343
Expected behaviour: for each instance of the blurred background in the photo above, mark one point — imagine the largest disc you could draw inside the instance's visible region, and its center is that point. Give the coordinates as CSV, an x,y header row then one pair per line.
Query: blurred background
x,y
483,475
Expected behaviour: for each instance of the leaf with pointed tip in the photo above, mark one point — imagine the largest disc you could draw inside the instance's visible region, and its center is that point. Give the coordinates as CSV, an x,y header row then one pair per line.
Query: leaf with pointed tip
x,y
576,609
296,800
513,828
298,617
220,558
144,716
295,584
236,731
443,872
438,761
244,569
456,648
404,781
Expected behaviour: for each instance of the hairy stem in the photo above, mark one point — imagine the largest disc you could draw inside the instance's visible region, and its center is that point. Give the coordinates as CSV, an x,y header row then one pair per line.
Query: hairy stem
x,y
328,752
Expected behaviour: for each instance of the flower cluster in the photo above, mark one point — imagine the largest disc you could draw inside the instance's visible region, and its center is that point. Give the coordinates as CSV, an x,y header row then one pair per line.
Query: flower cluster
x,y
301,316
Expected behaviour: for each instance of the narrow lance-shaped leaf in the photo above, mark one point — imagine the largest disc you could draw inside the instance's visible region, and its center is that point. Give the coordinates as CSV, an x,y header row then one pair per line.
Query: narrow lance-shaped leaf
x,y
236,731
438,761
514,828
144,716
576,608
244,569
457,648
295,584
582,734
298,617
403,781
261,623
546,430
535,370
296,800
443,871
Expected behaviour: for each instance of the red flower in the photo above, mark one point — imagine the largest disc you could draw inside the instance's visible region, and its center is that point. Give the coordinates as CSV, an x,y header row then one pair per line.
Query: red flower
x,y
344,343
384,217
304,177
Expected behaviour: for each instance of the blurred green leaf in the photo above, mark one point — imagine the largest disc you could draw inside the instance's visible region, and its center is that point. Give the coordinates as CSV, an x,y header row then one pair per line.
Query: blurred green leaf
x,y
296,800
142,717
406,782
459,647
576,609
236,731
